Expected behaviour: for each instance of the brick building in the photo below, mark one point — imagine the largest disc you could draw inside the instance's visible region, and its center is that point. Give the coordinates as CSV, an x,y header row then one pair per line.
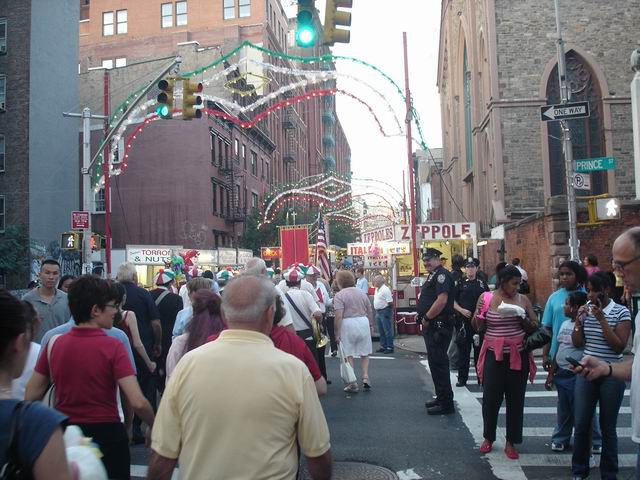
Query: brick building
x,y
203,200
497,67
39,171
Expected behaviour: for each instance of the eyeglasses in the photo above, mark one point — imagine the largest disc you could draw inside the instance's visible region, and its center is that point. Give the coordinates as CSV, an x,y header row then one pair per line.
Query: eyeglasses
x,y
112,305
618,266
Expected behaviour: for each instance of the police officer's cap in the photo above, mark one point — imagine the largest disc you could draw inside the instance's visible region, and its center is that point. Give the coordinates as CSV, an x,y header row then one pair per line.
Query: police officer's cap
x,y
472,262
431,253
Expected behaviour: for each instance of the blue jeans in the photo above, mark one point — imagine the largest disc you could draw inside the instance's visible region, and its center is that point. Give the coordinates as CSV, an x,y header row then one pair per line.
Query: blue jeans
x,y
608,392
565,381
383,319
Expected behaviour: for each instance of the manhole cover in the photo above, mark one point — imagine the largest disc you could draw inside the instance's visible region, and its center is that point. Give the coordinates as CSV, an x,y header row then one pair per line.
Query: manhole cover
x,y
357,470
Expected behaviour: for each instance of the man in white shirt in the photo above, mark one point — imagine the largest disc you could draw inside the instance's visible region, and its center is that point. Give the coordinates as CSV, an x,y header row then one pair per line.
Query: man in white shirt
x,y
516,263
383,305
302,307
626,264
323,300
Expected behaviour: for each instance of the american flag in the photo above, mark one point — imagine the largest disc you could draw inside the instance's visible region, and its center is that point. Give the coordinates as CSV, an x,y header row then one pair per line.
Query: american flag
x,y
321,250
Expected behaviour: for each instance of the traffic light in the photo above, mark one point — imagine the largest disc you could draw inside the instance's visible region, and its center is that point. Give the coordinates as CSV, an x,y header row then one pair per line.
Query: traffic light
x,y
334,18
190,99
306,31
165,98
96,242
70,241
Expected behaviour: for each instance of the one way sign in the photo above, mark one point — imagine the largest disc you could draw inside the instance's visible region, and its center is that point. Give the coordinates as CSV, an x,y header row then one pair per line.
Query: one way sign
x,y
565,111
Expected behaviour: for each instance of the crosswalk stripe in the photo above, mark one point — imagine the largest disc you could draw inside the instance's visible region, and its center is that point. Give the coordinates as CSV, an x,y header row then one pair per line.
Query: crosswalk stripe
x,y
547,432
540,394
564,460
553,410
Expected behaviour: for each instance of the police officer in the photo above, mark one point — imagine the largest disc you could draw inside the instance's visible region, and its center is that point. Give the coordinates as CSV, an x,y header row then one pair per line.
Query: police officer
x,y
435,308
468,291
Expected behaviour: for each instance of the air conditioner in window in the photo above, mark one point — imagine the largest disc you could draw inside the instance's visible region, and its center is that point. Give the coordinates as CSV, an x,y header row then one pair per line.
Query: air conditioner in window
x,y
3,49
2,107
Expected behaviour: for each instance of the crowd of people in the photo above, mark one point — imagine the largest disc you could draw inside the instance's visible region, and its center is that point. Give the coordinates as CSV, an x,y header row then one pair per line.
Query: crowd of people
x,y
128,365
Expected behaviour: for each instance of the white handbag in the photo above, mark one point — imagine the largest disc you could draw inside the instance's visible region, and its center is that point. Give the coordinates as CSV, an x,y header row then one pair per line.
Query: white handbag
x,y
346,370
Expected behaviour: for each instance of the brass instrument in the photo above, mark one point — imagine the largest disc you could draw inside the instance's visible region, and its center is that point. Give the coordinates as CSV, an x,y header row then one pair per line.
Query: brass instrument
x,y
318,334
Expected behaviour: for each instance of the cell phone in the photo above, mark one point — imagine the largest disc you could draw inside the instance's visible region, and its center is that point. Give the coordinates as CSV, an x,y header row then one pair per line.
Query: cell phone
x,y
573,361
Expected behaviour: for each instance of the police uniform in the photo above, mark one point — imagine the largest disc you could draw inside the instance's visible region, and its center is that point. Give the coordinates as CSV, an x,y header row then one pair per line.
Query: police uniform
x,y
467,294
437,334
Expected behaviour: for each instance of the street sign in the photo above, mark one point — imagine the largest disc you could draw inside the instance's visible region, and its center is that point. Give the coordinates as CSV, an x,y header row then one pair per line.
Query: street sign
x,y
566,111
595,164
79,220
582,181
607,208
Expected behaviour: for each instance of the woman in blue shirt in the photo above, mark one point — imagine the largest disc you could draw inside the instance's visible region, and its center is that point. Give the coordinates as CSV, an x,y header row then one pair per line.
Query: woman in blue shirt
x,y
40,449
572,276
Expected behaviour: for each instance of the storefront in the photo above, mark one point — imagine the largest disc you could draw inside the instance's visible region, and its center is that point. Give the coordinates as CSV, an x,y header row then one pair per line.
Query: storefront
x,y
149,259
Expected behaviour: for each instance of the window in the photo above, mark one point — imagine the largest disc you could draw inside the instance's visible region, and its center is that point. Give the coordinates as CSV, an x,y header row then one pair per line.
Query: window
x,y
1,153
223,192
99,200
254,200
214,196
3,93
254,163
236,147
108,63
244,8
244,155
587,134
3,35
2,213
121,62
229,9
246,199
121,22
468,127
181,14
107,24
268,173
166,14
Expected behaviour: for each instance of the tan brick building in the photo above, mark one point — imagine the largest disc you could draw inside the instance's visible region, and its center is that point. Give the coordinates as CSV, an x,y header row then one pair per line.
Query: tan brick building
x,y
194,183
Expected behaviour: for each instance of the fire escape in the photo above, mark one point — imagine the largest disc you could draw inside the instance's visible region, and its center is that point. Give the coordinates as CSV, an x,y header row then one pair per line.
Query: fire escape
x,y
231,175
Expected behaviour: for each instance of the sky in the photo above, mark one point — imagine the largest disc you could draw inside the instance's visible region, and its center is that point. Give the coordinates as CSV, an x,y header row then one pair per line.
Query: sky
x,y
376,38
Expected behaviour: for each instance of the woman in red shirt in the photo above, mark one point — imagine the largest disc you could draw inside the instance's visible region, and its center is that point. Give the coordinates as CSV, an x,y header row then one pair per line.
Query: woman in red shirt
x,y
87,368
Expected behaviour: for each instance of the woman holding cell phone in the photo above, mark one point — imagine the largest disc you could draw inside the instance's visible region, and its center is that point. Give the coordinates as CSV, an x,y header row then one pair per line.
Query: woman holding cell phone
x,y
602,327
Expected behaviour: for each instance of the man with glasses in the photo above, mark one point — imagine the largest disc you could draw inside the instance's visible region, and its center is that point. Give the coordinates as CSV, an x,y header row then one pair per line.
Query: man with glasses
x,y
626,263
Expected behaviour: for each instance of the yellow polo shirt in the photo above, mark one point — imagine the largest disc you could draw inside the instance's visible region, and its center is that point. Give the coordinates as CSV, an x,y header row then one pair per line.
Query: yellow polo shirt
x,y
234,409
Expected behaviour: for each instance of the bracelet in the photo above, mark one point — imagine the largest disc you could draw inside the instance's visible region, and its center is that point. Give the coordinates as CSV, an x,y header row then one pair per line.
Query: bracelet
x,y
610,370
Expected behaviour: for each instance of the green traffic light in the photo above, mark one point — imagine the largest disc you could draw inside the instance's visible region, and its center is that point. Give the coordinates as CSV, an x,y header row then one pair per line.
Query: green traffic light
x,y
162,110
305,36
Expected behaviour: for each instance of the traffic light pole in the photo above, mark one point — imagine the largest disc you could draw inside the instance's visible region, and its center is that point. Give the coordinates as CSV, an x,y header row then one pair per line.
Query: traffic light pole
x,y
106,166
87,201
414,248
567,144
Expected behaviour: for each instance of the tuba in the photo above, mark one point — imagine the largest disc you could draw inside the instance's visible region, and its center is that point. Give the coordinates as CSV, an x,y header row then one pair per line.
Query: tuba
x,y
318,334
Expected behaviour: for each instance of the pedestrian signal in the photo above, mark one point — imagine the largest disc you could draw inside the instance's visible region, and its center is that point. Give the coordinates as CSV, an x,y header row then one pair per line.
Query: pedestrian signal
x,y
191,99
165,98
70,241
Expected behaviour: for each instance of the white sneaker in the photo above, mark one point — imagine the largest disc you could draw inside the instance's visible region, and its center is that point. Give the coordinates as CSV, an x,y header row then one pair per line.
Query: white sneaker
x,y
557,447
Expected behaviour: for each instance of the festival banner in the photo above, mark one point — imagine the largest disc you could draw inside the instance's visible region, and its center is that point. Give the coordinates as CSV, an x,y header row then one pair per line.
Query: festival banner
x,y
294,242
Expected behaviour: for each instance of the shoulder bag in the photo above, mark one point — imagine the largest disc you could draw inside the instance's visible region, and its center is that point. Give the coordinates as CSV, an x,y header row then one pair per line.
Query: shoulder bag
x,y
49,398
537,339
161,297
12,470
318,336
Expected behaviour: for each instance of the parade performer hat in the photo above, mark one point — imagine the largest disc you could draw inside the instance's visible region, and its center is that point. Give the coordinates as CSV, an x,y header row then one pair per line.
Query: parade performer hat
x,y
431,253
313,270
472,262
163,277
225,275
293,275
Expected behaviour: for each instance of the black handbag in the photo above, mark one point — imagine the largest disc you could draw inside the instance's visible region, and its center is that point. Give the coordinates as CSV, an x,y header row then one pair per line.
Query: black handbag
x,y
537,339
12,469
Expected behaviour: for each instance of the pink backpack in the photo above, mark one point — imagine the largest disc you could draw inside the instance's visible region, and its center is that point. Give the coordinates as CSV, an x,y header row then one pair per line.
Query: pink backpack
x,y
486,301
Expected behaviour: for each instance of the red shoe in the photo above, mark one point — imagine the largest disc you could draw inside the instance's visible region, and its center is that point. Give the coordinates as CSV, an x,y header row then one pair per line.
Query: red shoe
x,y
486,446
511,453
